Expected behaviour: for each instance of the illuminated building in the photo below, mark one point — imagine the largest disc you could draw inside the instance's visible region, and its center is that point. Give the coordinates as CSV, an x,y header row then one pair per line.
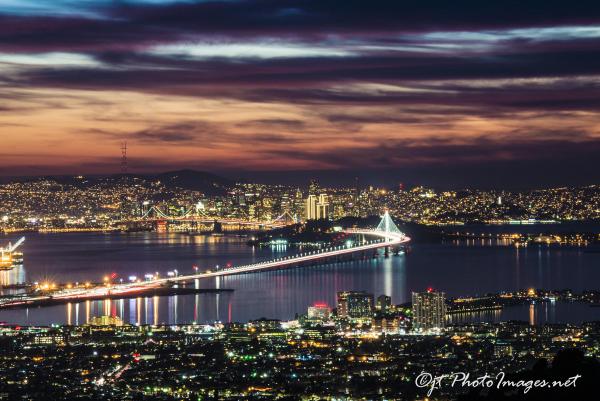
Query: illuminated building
x,y
354,304
386,324
317,207
311,207
106,321
323,207
319,311
383,303
503,348
429,310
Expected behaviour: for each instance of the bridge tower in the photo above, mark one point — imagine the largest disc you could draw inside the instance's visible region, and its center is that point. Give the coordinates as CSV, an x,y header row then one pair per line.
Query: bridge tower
x,y
387,224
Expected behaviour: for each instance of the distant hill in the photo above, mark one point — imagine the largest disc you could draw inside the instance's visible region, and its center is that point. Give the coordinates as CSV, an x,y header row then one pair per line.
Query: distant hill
x,y
208,183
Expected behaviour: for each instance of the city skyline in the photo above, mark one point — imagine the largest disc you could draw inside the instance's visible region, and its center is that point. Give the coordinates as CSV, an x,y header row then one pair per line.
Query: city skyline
x,y
461,95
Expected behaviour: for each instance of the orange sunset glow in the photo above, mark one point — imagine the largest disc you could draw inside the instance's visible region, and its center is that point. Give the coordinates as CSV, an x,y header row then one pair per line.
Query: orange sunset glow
x,y
216,87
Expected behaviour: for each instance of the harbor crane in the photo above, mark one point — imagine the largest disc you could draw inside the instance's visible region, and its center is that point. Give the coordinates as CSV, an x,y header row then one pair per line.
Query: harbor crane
x,y
6,254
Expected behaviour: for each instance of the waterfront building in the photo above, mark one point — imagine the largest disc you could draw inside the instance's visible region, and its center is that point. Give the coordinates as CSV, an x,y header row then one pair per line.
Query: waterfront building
x,y
106,321
354,305
319,312
429,310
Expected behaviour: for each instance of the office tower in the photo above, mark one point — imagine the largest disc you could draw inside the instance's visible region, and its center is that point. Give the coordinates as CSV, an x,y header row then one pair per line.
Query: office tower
x,y
323,207
354,304
317,207
429,310
383,303
311,207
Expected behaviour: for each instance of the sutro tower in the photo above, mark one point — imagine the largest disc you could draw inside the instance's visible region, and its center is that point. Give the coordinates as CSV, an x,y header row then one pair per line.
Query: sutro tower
x,y
124,157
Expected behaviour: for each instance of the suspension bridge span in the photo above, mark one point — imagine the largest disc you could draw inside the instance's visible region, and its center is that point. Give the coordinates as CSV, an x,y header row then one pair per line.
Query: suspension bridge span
x,y
386,235
154,214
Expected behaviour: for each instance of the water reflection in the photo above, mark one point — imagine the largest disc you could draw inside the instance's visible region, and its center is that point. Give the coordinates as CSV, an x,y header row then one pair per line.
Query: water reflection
x,y
12,277
458,267
144,310
533,314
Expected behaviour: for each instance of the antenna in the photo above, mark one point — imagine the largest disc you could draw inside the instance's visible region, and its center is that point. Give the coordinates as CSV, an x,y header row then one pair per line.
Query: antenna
x,y
124,157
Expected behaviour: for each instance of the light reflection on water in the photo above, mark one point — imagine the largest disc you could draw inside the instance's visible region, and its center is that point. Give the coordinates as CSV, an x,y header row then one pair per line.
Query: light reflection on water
x,y
534,314
468,267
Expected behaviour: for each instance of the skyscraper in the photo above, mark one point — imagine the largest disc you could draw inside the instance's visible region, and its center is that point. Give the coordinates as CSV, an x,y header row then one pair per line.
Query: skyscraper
x,y
311,207
354,304
323,207
317,207
429,310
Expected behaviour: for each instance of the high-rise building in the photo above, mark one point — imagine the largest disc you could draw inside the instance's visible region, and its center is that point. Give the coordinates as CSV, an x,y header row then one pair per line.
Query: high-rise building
x,y
311,207
354,304
429,310
323,207
317,207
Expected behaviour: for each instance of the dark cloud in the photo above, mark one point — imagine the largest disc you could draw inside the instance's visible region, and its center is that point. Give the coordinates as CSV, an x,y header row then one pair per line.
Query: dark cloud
x,y
169,134
121,24
275,122
176,133
483,162
377,62
376,119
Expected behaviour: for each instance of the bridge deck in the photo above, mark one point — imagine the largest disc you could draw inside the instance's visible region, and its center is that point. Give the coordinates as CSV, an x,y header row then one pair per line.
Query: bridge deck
x,y
385,239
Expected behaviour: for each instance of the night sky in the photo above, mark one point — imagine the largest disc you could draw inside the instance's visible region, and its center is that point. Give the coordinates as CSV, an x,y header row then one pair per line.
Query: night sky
x,y
444,93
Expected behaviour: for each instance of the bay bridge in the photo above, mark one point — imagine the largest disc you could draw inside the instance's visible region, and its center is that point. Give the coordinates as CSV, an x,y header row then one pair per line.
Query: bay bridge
x,y
157,216
385,235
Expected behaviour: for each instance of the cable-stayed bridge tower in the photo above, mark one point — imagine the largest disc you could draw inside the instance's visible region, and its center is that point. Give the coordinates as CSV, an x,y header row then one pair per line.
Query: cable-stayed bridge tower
x,y
387,225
